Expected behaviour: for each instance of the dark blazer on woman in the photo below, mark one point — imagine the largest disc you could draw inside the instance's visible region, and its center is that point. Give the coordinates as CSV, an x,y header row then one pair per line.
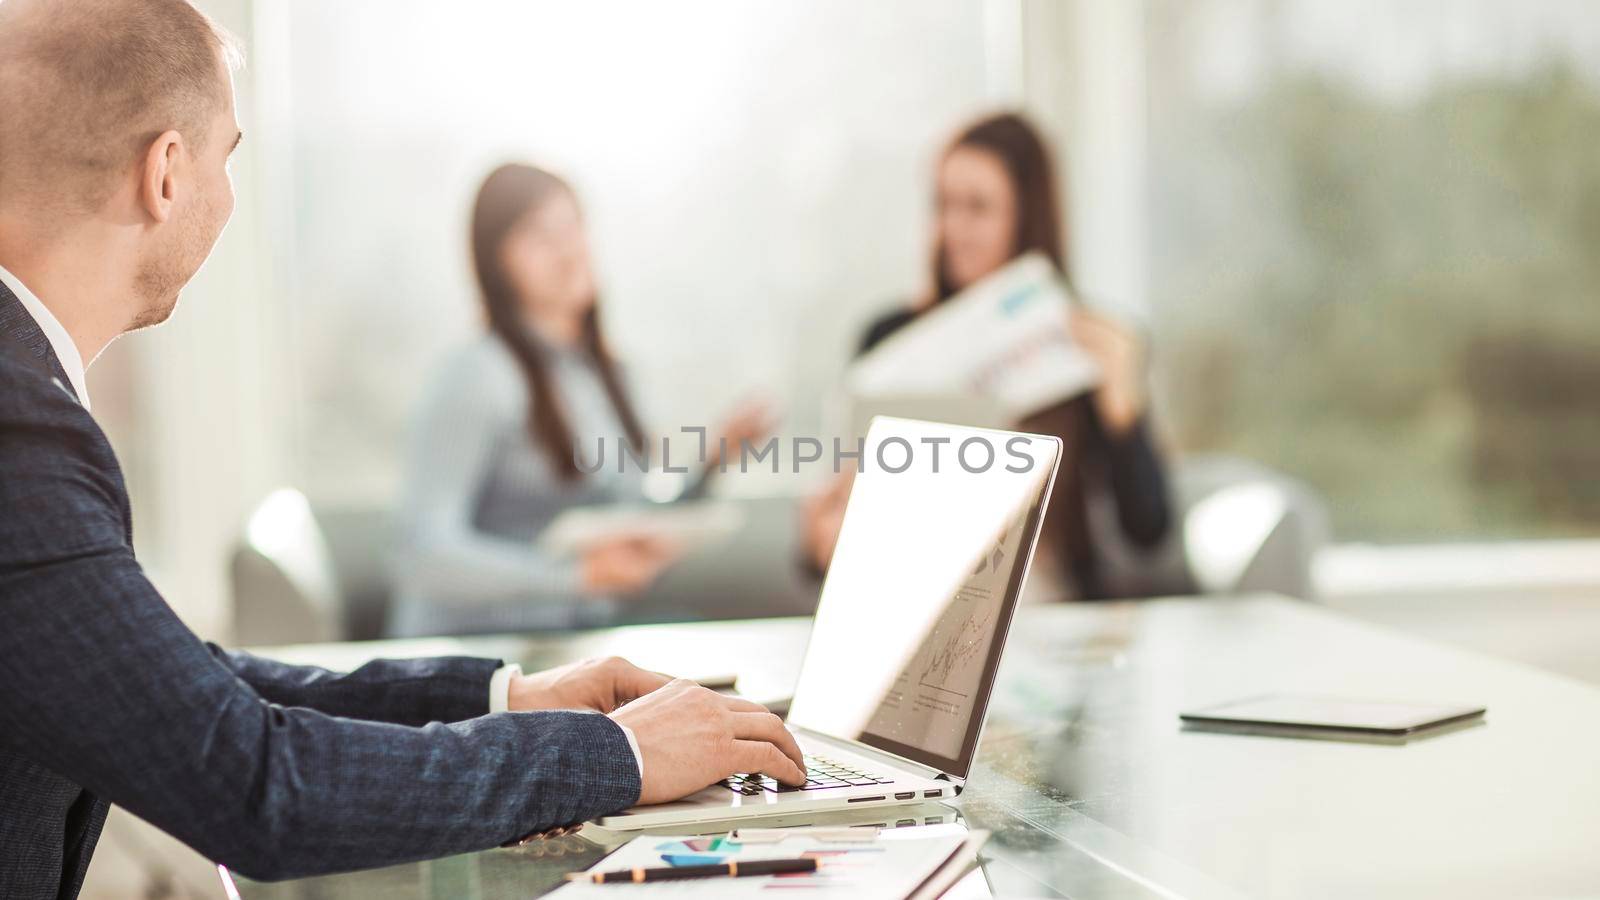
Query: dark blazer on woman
x,y
1127,467
277,771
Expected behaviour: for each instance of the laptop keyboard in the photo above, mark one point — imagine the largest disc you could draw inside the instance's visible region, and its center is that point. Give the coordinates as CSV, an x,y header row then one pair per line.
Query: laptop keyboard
x,y
821,774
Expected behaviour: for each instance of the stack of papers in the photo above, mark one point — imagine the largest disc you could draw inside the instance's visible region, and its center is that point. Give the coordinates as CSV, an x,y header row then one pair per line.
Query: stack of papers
x,y
902,863
1004,339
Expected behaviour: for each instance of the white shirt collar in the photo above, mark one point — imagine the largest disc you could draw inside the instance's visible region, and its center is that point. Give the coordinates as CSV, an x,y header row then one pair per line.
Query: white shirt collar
x,y
61,342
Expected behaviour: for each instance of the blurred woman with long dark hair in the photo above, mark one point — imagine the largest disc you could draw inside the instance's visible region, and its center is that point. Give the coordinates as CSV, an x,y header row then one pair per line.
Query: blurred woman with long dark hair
x,y
496,449
995,199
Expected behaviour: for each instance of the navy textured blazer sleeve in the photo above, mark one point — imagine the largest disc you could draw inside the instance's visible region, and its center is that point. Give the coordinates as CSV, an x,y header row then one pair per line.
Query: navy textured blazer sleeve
x,y
403,691
273,770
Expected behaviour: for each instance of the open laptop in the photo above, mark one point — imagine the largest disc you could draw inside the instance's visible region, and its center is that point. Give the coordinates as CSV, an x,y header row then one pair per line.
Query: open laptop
x,y
933,551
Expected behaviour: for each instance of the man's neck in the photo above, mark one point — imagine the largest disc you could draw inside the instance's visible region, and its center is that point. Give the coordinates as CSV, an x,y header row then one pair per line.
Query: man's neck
x,y
74,282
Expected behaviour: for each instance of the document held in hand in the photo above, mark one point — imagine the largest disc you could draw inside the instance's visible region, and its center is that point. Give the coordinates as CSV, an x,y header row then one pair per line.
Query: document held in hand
x,y
1003,339
689,525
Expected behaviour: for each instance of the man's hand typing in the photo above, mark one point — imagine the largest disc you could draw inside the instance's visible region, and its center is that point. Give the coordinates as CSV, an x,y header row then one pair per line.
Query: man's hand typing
x,y
599,684
691,737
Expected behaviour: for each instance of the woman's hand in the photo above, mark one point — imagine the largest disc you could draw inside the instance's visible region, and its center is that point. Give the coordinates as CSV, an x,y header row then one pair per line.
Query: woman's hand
x,y
597,684
751,420
626,565
820,518
1120,399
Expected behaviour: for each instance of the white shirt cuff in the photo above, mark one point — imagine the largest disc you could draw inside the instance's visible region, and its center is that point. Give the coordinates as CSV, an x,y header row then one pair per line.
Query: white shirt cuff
x,y
633,742
500,701
500,687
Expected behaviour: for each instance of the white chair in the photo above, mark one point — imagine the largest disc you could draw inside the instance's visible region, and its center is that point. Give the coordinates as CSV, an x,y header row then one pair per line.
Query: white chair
x,y
1239,527
285,589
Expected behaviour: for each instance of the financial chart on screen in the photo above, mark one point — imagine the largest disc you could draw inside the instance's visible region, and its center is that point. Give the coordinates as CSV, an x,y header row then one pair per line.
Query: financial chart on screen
x,y
931,701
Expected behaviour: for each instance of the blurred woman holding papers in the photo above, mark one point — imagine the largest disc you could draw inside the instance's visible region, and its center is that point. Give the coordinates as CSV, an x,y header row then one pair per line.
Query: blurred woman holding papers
x,y
995,201
496,450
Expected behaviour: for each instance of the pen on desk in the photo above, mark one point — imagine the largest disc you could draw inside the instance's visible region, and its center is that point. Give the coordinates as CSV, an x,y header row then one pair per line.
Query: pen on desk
x,y
729,869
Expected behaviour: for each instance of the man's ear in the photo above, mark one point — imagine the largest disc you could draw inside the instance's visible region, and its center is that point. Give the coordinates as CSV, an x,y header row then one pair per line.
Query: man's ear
x,y
157,183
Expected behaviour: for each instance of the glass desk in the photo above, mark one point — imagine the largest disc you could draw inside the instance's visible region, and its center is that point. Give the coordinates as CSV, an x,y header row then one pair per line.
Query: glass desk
x,y
1091,787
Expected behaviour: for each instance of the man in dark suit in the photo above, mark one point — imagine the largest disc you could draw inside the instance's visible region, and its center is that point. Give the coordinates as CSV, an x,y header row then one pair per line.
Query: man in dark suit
x,y
116,124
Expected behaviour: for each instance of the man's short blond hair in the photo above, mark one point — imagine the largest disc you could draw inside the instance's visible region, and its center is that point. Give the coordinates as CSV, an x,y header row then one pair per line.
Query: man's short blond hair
x,y
86,85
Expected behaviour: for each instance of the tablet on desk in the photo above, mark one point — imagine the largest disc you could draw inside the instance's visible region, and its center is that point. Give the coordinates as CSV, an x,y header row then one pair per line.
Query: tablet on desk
x,y
1331,717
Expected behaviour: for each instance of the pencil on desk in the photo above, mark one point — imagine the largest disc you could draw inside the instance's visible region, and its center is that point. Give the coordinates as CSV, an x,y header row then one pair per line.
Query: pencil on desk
x,y
730,869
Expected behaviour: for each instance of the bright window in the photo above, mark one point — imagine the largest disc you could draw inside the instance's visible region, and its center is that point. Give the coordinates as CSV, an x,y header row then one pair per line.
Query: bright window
x,y
1375,254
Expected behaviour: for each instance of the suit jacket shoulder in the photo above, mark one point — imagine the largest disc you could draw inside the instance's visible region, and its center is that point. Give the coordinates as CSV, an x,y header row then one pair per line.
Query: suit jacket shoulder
x,y
62,496
59,478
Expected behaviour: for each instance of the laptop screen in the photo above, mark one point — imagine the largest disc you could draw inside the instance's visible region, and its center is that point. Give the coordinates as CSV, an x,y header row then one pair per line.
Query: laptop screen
x,y
936,537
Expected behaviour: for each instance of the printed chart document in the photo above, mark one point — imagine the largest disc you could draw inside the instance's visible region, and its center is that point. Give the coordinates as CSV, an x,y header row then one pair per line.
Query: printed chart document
x,y
896,865
1004,339
688,525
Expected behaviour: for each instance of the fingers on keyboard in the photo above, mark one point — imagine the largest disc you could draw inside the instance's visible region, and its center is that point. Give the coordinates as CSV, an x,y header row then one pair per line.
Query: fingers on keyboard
x,y
820,774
